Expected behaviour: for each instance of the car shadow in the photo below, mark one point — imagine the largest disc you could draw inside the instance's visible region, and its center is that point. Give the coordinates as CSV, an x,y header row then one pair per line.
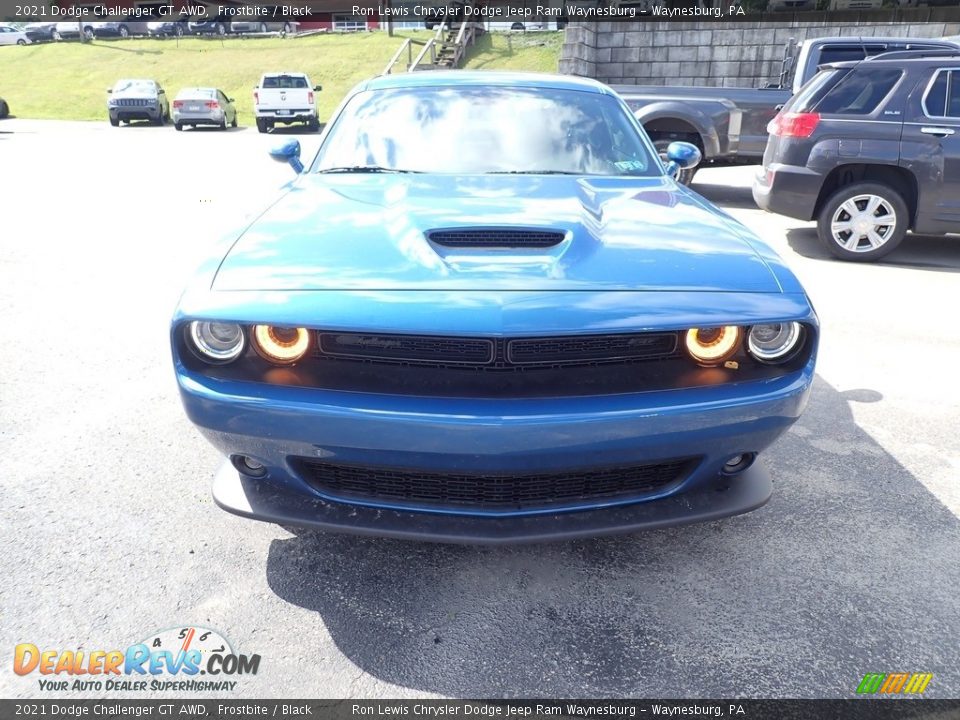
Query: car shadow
x,y
919,252
111,46
851,568
726,195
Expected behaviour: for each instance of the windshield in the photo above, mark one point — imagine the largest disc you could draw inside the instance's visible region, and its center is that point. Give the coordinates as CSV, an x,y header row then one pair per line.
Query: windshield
x,y
134,86
477,129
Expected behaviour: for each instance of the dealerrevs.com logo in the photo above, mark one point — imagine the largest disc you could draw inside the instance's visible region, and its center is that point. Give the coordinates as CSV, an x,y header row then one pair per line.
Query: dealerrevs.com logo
x,y
168,660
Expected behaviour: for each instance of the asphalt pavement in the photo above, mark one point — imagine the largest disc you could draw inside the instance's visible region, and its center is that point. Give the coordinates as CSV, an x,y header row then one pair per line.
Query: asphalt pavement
x,y
108,532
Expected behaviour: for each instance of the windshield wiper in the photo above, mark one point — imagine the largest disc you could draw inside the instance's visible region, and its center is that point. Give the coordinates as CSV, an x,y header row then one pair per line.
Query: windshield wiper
x,y
532,172
364,169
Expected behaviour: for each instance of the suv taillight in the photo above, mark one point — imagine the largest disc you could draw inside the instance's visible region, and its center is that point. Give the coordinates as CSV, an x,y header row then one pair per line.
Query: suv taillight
x,y
799,125
256,98
310,97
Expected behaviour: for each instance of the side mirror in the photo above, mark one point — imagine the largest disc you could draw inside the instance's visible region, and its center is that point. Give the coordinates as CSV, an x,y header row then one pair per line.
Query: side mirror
x,y
230,100
681,156
318,88
161,91
109,91
289,153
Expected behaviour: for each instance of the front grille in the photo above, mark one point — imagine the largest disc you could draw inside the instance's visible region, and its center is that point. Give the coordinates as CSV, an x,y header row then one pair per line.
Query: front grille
x,y
417,348
501,354
493,238
491,492
134,102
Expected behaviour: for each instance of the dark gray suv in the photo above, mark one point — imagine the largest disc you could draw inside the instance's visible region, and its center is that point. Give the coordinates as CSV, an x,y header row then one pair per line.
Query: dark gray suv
x,y
870,150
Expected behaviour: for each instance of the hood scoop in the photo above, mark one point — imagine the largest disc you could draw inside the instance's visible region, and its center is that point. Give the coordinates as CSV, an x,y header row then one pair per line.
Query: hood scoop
x,y
496,238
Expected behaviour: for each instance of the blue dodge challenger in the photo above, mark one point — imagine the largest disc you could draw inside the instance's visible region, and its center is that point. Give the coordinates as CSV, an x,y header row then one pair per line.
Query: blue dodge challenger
x,y
485,312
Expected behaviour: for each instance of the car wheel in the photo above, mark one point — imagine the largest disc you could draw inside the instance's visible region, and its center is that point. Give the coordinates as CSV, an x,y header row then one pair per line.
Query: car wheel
x,y
287,28
863,222
684,177
4,109
124,31
314,125
262,28
221,29
115,122
233,123
88,33
56,36
179,31
517,26
261,125
21,41
178,126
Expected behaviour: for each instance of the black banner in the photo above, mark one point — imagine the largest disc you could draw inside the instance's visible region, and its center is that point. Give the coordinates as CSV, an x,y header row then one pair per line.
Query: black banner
x,y
852,709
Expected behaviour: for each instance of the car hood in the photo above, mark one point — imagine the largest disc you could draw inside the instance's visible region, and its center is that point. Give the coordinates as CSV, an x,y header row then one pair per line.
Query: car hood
x,y
369,231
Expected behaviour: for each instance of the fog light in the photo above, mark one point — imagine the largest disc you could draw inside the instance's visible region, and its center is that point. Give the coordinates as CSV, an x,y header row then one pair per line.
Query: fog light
x,y
738,463
248,466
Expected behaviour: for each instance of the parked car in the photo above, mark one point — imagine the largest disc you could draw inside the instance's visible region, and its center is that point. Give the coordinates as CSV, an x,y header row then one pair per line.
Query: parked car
x,y
10,35
122,28
4,109
137,100
791,5
72,29
869,150
218,25
203,106
41,32
169,28
430,335
262,26
729,125
285,97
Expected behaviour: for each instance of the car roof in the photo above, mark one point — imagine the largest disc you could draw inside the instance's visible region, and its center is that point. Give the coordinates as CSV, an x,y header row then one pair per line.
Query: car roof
x,y
879,61
447,78
848,39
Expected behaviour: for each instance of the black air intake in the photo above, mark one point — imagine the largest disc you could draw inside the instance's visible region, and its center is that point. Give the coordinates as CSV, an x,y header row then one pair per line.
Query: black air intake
x,y
496,238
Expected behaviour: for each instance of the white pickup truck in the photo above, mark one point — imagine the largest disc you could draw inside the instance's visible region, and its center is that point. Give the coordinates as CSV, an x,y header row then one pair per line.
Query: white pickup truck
x,y
285,97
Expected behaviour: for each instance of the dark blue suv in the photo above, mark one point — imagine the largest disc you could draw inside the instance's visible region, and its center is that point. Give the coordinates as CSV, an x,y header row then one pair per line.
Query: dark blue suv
x,y
869,150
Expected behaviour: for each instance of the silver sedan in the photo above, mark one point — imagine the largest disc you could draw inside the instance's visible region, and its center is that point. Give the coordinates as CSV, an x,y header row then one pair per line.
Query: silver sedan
x,y
203,106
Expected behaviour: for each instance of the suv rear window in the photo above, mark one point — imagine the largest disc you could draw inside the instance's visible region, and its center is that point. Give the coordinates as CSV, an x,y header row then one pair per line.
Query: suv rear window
x,y
818,86
285,82
860,91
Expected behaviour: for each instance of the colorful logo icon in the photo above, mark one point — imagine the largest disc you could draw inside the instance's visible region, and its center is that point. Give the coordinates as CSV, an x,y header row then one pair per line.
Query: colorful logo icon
x,y
894,683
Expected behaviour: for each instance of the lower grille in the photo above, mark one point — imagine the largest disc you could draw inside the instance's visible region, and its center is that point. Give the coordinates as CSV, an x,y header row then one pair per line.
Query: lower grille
x,y
491,492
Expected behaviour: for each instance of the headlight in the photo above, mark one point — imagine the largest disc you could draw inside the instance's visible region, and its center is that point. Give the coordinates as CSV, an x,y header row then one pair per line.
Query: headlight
x,y
711,346
775,342
217,342
280,345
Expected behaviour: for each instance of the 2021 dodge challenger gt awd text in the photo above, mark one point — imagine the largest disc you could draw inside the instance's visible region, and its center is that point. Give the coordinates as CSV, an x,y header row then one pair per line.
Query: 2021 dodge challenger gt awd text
x,y
485,312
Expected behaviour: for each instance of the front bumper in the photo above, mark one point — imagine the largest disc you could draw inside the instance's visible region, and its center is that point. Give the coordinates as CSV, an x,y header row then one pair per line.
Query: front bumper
x,y
787,190
721,498
127,113
492,436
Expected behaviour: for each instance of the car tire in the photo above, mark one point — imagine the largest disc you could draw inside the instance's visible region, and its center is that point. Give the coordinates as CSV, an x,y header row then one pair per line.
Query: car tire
x,y
178,126
56,36
179,32
115,122
124,31
4,109
261,125
684,177
287,28
220,29
262,28
88,33
233,123
314,125
21,41
848,224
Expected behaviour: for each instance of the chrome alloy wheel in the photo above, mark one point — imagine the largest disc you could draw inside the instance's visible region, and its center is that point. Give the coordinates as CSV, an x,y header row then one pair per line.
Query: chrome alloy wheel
x,y
863,223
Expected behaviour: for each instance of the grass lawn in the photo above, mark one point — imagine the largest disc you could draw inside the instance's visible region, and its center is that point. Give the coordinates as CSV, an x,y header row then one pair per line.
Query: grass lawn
x,y
68,80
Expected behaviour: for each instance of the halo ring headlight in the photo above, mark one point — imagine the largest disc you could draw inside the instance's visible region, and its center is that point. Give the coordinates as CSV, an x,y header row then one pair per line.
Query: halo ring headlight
x,y
774,342
712,345
216,342
280,345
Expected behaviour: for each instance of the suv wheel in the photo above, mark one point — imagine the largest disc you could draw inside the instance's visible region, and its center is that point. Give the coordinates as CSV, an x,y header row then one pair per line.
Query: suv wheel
x,y
684,177
220,29
863,222
261,125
